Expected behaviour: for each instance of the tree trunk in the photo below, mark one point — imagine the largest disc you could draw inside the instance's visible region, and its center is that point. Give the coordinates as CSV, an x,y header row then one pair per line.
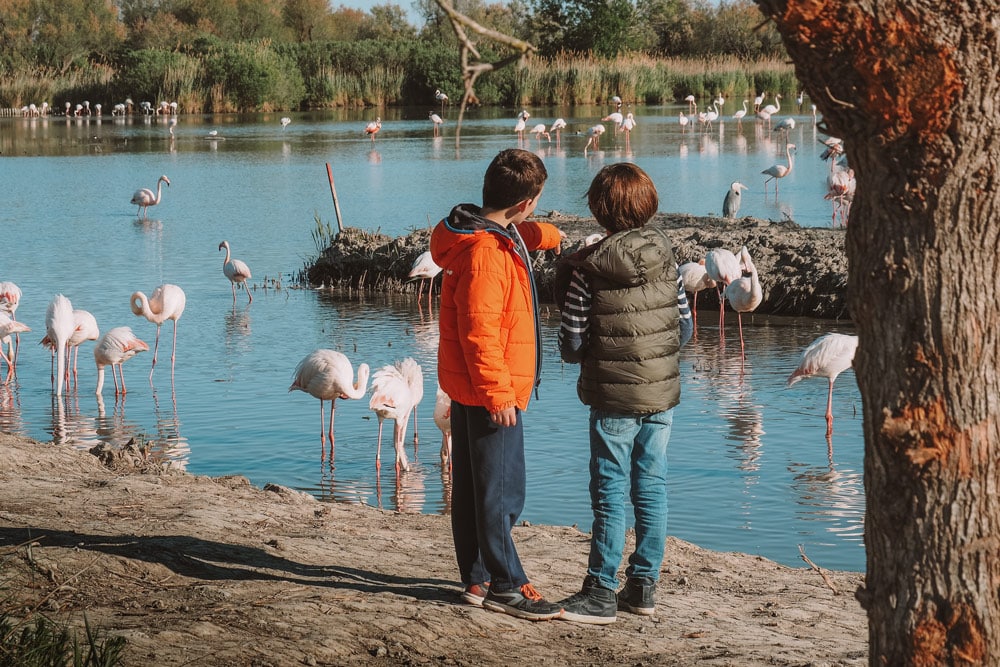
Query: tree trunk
x,y
913,87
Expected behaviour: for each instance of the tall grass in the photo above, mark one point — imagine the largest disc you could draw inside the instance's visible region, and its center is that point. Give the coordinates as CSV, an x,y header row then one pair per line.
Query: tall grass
x,y
262,76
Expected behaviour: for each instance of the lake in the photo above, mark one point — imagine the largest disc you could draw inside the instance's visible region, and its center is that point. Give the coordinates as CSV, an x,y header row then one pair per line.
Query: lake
x,y
750,466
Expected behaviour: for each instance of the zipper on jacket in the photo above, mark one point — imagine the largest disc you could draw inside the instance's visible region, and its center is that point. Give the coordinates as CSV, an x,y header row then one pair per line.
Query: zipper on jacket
x,y
522,252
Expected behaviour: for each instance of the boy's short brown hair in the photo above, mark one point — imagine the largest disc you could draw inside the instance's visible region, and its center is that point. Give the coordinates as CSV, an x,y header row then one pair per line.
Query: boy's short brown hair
x,y
622,196
513,176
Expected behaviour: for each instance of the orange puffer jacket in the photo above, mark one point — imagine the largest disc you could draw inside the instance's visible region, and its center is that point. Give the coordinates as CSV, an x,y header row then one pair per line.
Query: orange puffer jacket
x,y
489,353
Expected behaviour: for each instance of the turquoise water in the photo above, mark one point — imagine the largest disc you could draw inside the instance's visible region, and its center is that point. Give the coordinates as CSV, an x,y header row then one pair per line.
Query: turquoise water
x,y
751,469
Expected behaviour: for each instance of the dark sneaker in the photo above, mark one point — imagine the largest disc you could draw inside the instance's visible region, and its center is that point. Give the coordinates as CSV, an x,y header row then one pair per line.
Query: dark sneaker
x,y
638,596
475,593
594,604
526,603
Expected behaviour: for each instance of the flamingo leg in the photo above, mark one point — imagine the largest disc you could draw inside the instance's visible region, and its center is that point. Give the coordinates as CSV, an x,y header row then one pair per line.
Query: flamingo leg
x,y
378,450
173,352
322,430
739,319
399,435
10,366
233,285
114,378
249,295
156,348
333,406
829,409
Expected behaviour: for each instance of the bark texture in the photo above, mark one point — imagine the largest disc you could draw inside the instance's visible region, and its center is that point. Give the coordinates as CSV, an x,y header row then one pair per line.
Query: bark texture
x,y
913,88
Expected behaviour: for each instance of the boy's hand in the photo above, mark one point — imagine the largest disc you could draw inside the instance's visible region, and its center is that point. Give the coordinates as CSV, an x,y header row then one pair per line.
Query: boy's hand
x,y
505,417
558,249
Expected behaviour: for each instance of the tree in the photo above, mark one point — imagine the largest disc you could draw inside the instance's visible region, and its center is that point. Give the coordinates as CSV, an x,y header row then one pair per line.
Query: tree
x,y
306,18
905,82
63,32
603,27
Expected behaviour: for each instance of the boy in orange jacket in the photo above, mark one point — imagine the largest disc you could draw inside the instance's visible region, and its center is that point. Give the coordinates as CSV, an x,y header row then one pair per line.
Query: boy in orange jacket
x,y
488,363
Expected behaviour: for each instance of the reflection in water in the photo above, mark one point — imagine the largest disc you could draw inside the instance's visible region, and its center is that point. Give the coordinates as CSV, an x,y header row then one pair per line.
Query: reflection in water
x,y
832,497
169,446
237,328
410,491
10,409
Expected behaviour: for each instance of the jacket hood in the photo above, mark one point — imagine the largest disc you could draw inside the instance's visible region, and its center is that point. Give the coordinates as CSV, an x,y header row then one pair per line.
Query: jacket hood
x,y
462,227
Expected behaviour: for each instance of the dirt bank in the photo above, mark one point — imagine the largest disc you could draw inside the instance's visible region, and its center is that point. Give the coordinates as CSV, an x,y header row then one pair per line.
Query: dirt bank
x,y
803,270
200,571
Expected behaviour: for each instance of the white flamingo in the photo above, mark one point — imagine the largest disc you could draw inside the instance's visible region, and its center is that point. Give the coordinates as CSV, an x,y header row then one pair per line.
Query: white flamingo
x,y
722,267
237,271
144,197
328,375
828,356
558,125
84,329
594,137
695,279
59,328
424,268
437,120
10,298
393,398
539,130
113,349
9,327
285,121
442,419
778,171
683,120
744,294
740,113
166,303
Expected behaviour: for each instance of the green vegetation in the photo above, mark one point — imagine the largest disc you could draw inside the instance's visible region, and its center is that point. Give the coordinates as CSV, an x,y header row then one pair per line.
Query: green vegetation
x,y
38,642
276,55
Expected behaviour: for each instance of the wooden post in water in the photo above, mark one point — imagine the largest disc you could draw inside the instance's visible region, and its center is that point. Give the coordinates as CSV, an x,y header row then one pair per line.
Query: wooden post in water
x,y
336,203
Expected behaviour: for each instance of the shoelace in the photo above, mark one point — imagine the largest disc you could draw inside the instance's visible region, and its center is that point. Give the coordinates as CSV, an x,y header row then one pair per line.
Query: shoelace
x,y
529,592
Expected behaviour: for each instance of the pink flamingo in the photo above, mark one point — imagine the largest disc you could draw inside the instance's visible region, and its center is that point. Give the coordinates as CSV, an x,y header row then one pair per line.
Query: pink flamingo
x,y
442,419
328,375
144,197
8,327
372,128
438,121
237,271
10,297
722,266
695,279
113,349
84,329
166,303
778,171
828,356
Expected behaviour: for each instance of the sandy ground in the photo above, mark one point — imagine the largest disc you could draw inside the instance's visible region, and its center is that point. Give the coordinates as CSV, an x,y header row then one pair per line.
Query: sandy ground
x,y
213,571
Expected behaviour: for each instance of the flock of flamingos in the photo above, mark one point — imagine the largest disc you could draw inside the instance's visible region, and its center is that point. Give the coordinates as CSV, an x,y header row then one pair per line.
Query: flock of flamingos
x,y
397,389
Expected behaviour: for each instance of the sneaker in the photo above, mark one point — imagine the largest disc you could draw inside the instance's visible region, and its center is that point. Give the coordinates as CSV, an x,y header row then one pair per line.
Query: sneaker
x,y
638,596
594,604
526,603
475,593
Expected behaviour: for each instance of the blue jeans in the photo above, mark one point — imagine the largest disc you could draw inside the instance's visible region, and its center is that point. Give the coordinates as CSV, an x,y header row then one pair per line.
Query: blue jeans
x,y
628,454
487,496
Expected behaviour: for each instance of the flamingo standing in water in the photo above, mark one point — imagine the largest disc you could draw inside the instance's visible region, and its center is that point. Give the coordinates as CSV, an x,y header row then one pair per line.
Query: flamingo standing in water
x,y
558,125
10,297
328,375
744,294
442,419
722,267
84,328
372,128
740,113
237,271
594,137
113,349
144,197
778,171
828,356
695,279
8,327
166,303
437,120
394,396
59,327
423,268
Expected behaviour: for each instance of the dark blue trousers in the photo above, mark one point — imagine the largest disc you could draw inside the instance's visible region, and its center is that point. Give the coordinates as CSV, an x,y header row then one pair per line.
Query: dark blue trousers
x,y
487,496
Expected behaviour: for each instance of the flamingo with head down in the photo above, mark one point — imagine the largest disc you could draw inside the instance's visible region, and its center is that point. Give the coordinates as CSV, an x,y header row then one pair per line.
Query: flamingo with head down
x,y
328,375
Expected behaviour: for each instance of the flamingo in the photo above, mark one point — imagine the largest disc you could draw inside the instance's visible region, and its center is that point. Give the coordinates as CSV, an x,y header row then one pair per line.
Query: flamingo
x,y
731,204
59,327
285,121
798,101
615,117
740,113
415,381
519,126
828,356
722,267
594,137
372,128
627,126
85,328
778,171
841,185
10,297
442,419
720,101
436,119
695,279
9,326
166,303
424,267
328,375
683,120
785,125
772,109
539,130
113,349
692,105
144,197
744,294
393,398
442,98
757,101
558,125
237,271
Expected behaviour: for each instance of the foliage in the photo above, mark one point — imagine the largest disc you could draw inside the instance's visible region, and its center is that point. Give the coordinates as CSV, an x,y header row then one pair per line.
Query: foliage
x,y
38,642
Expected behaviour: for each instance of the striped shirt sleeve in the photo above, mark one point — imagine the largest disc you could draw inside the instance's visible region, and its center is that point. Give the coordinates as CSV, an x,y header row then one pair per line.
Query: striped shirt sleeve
x,y
684,309
575,321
